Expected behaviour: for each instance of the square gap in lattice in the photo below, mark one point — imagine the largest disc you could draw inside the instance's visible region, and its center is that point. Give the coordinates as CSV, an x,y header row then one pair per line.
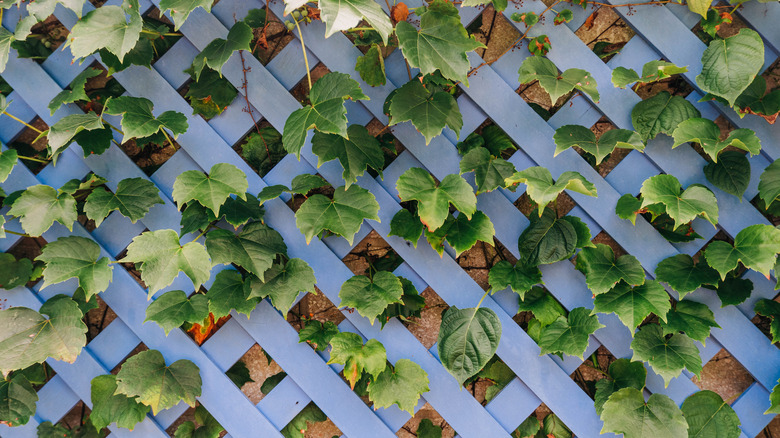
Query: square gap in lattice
x,y
210,94
489,381
562,205
494,31
269,40
604,238
311,422
724,375
45,37
256,373
131,267
544,421
202,421
478,260
676,85
138,348
99,88
490,136
764,323
391,146
314,308
611,160
28,144
151,156
74,423
301,90
98,317
771,212
592,370
426,419
261,148
724,30
27,248
605,33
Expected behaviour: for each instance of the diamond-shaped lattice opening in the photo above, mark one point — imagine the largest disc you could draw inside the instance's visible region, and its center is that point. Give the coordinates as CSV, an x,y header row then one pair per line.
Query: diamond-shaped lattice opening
x,y
537,305
269,41
301,91
606,239
391,146
771,212
490,136
433,421
256,373
724,375
494,31
203,423
593,369
161,24
764,323
544,421
45,37
311,422
98,317
27,248
426,326
675,85
138,348
315,307
539,100
489,381
478,260
201,332
563,204
26,144
210,95
605,33
298,199
75,421
772,429
261,148
723,30
372,254
5,87
99,88
151,156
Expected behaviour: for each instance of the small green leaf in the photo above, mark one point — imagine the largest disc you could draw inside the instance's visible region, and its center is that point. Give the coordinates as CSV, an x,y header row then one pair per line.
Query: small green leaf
x,y
770,309
172,309
667,356
564,16
462,233
355,154
623,373
520,277
318,334
344,15
731,173
371,67
76,91
755,100
569,335
17,400
435,199
370,297
489,172
14,273
400,385
237,211
709,416
309,414
733,291
412,306
146,377
428,110
706,133
582,137
468,338
730,65
239,374
542,190
661,114
347,349
138,121
342,215
652,71
210,190
181,9
496,141
627,412
542,304
547,239
695,319
228,293
755,246
529,427
555,84
8,160
683,275
682,206
67,128
769,185
133,198
427,429
284,283
110,407
774,399
219,50
633,304
603,271
76,257
40,205
407,226
195,217
106,27
254,248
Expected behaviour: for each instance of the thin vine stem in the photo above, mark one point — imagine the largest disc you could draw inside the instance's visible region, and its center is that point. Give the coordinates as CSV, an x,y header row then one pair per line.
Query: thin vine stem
x,y
248,108
150,32
114,127
23,122
38,160
303,47
17,234
170,142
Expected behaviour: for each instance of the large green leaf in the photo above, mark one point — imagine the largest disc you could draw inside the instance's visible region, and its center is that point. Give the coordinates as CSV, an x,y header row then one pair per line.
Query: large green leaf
x,y
706,133
284,282
547,239
40,205
520,277
106,27
661,114
729,65
228,293
770,309
76,91
468,338
489,172
542,190
237,211
138,120
407,226
17,400
400,385
731,173
181,9
755,246
370,297
681,205
219,50
683,275
633,304
172,309
210,190
339,15
627,412
542,304
210,94
67,128
318,334
569,335
111,407
133,198
582,137
603,271
462,233
8,160
695,319
733,291
667,356
555,84
341,215
652,71
347,349
355,154
254,248
325,114
28,337
14,273
371,67
441,43
162,256
769,184
146,377
309,414
709,416
434,199
76,257
623,373
428,110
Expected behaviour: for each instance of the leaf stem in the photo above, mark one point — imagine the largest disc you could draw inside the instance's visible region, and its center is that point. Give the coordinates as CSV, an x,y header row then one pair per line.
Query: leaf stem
x,y
22,121
17,234
303,47
479,304
38,160
170,142
114,127
151,32
358,29
205,230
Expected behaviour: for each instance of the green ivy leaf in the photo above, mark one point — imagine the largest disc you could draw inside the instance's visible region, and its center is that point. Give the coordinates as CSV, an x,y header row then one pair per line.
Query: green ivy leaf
x,y
706,133
30,338
344,15
520,277
6,38
106,27
146,377
301,185
195,217
14,273
17,400
542,190
731,173
309,414
754,101
172,309
730,65
661,114
8,160
569,335
603,271
733,291
623,373
547,239
441,43
695,319
407,226
434,199
667,356
109,407
530,426
774,399
682,206
468,338
412,304
228,293
542,304
347,349
355,154
627,412
76,91
341,215
326,113
283,283
39,206
67,128
496,141
239,374
555,84
254,248
429,110
210,190
138,121
370,297
489,172
462,233
427,429
769,184
133,199
652,71
683,275
219,50
162,256
633,304
371,66
399,385
181,9
770,309
76,257
755,246
213,91
709,416
582,137
318,334
237,211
